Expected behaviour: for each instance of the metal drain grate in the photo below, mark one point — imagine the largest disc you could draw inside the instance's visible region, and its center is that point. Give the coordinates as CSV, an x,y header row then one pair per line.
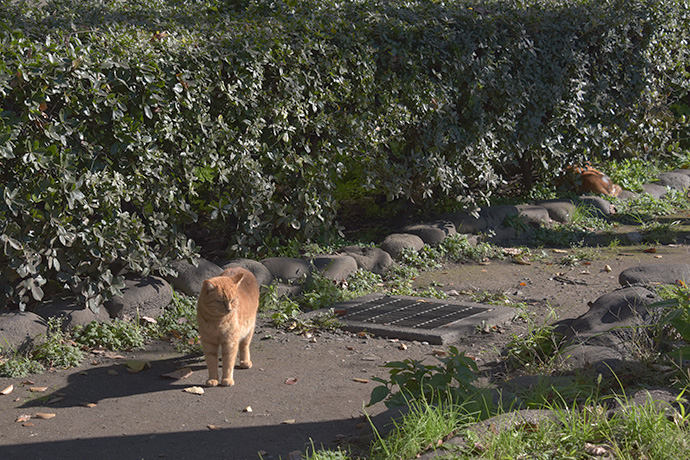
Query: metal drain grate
x,y
411,313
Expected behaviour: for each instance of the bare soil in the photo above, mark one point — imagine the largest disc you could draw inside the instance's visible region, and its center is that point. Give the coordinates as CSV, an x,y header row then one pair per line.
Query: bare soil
x,y
302,391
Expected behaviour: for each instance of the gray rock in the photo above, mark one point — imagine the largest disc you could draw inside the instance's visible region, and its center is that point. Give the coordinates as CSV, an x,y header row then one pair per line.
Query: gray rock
x,y
263,275
431,233
371,259
681,171
656,191
625,195
336,268
466,222
141,297
72,314
286,289
635,237
288,269
190,278
655,274
18,329
496,215
664,400
533,214
598,205
674,181
493,425
559,210
395,243
612,319
603,359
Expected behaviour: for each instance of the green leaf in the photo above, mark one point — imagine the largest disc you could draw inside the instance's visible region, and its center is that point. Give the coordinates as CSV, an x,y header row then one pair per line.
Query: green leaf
x,y
378,394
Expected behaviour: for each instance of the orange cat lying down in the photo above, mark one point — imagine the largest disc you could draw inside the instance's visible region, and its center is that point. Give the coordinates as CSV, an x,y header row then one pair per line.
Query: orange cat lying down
x,y
226,313
587,179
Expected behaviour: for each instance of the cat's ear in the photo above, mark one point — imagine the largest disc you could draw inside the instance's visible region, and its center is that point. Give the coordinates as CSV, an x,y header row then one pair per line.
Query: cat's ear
x,y
238,278
208,286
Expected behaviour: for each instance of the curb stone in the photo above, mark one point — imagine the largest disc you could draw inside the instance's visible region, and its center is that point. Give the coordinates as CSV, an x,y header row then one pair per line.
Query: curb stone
x,y
286,273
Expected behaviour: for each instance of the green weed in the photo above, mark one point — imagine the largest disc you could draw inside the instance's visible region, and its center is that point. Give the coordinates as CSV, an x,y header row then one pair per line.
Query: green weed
x,y
115,335
178,324
412,380
17,366
57,349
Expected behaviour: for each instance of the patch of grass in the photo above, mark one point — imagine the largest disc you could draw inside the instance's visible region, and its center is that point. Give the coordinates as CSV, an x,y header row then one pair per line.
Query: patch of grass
x,y
537,349
584,432
57,349
457,248
115,335
423,428
632,173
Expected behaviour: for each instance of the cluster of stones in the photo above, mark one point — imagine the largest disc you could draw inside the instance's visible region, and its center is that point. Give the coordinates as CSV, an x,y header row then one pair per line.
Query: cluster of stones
x,y
613,330
150,296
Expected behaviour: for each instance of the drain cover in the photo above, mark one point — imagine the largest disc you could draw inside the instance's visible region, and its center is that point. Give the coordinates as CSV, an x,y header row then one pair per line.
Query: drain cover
x,y
414,318
414,313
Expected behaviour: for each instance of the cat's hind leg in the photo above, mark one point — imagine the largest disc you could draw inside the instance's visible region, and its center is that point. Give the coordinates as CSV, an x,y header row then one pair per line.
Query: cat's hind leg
x,y
245,358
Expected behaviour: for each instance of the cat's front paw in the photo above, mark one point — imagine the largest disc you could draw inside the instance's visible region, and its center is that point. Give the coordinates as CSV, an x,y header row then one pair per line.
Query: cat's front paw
x,y
245,364
227,382
212,382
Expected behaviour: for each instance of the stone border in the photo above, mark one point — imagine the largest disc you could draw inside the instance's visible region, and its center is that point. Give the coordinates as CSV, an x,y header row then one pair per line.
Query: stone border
x,y
150,296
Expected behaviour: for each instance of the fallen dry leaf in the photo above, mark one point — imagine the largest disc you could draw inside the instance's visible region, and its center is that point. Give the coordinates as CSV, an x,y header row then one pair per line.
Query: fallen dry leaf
x,y
402,346
592,449
650,250
90,405
247,409
23,418
607,268
559,251
7,390
178,374
358,380
194,390
136,365
213,427
38,389
291,381
148,319
44,416
288,421
438,352
28,382
56,400
28,424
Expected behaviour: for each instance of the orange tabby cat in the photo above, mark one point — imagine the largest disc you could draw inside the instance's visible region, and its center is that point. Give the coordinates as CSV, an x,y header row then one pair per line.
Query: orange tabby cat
x,y
226,313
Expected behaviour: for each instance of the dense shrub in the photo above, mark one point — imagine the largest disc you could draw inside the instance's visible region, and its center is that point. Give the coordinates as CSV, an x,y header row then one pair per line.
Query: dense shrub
x,y
126,125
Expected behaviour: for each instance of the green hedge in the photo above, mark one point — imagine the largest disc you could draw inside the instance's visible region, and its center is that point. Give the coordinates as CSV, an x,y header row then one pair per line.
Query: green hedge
x,y
127,126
